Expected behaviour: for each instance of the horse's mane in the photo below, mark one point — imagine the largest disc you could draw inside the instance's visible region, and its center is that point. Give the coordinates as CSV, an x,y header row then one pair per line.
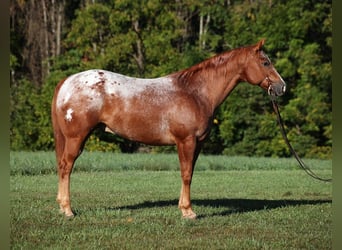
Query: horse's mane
x,y
208,66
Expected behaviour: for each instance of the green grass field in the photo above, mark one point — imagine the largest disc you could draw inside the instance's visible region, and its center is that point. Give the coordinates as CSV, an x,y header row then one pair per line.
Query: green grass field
x,y
130,202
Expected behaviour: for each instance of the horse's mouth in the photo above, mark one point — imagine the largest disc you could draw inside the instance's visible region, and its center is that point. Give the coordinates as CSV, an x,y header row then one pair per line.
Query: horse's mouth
x,y
276,89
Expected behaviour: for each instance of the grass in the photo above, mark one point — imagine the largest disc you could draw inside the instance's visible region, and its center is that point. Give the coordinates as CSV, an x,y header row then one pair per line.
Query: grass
x,y
36,163
258,204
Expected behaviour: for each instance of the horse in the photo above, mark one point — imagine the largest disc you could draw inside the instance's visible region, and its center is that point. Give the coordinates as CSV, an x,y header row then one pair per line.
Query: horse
x,y
176,109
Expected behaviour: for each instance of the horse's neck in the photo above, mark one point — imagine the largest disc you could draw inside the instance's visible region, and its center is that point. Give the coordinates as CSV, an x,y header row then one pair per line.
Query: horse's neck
x,y
220,84
214,84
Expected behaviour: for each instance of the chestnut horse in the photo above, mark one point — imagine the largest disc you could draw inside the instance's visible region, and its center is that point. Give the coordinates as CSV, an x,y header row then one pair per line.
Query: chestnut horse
x,y
176,109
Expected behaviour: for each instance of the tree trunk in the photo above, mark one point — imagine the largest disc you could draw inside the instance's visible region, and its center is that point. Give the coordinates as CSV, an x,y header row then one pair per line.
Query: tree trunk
x,y
59,26
203,29
45,48
139,55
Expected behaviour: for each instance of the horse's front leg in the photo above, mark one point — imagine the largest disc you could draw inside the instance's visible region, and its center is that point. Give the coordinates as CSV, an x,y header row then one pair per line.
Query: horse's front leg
x,y
187,153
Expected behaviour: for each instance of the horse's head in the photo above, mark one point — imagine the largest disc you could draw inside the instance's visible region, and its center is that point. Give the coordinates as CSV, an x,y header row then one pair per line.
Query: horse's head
x,y
260,71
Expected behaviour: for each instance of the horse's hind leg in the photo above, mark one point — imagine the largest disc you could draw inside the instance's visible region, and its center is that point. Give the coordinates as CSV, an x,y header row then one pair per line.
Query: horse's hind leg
x,y
72,149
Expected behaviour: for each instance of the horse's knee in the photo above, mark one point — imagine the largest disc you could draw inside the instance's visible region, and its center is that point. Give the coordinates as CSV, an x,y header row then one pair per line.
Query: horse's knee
x,y
64,168
186,178
71,152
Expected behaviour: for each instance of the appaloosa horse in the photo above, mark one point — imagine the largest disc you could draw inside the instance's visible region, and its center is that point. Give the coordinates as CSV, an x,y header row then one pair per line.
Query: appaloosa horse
x,y
176,109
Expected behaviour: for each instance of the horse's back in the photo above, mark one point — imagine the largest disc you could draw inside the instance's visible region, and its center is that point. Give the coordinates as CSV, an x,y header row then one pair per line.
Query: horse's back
x,y
96,85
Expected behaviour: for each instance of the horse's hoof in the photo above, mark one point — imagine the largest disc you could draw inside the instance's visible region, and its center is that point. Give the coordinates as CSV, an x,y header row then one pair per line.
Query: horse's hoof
x,y
69,216
190,216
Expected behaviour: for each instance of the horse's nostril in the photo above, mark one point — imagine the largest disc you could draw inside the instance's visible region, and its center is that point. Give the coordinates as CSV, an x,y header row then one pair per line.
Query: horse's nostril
x,y
284,88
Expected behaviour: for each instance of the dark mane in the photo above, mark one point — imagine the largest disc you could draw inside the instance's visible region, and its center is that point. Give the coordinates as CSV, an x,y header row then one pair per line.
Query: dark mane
x,y
211,64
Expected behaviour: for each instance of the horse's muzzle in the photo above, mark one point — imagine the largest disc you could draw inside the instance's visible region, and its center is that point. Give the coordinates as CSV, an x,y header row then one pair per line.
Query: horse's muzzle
x,y
277,89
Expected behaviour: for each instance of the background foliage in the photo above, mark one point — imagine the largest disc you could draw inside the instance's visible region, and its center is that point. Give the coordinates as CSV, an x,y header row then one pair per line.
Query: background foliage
x,y
53,39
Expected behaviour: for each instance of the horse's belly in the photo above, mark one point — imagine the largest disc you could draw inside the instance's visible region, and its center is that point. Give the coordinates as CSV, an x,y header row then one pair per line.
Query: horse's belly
x,y
145,129
147,137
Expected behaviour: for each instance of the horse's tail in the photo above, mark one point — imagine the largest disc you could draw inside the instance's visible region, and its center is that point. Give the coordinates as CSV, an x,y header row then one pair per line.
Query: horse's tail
x,y
57,132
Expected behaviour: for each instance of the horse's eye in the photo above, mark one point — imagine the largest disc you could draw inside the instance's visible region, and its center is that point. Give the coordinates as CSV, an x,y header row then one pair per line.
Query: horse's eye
x,y
266,63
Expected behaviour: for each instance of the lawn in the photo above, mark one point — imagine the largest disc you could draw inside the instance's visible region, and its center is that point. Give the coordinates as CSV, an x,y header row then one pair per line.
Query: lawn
x,y
130,202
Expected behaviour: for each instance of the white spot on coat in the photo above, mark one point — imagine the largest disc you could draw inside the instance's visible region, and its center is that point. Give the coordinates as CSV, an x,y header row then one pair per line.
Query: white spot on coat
x,y
68,115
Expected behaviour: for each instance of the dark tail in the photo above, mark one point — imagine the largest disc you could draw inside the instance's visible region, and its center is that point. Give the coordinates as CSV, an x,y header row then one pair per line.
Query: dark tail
x,y
57,132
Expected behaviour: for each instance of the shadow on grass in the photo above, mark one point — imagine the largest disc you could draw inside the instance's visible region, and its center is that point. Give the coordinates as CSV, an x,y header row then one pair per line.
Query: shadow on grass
x,y
232,205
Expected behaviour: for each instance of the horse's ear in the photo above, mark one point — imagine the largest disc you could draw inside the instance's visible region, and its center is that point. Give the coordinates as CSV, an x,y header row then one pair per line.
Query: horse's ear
x,y
259,45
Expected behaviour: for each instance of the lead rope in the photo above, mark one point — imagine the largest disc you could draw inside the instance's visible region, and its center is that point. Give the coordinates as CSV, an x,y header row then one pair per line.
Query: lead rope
x,y
294,153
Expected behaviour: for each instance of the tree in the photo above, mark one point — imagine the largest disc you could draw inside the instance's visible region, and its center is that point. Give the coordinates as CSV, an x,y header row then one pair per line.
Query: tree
x,y
302,60
39,22
24,130
153,38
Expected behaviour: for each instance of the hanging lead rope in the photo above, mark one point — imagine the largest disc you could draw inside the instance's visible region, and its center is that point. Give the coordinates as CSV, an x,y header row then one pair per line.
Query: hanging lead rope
x,y
282,129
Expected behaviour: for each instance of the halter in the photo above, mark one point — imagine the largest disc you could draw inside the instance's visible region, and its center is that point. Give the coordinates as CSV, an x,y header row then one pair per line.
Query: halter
x,y
269,89
269,82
